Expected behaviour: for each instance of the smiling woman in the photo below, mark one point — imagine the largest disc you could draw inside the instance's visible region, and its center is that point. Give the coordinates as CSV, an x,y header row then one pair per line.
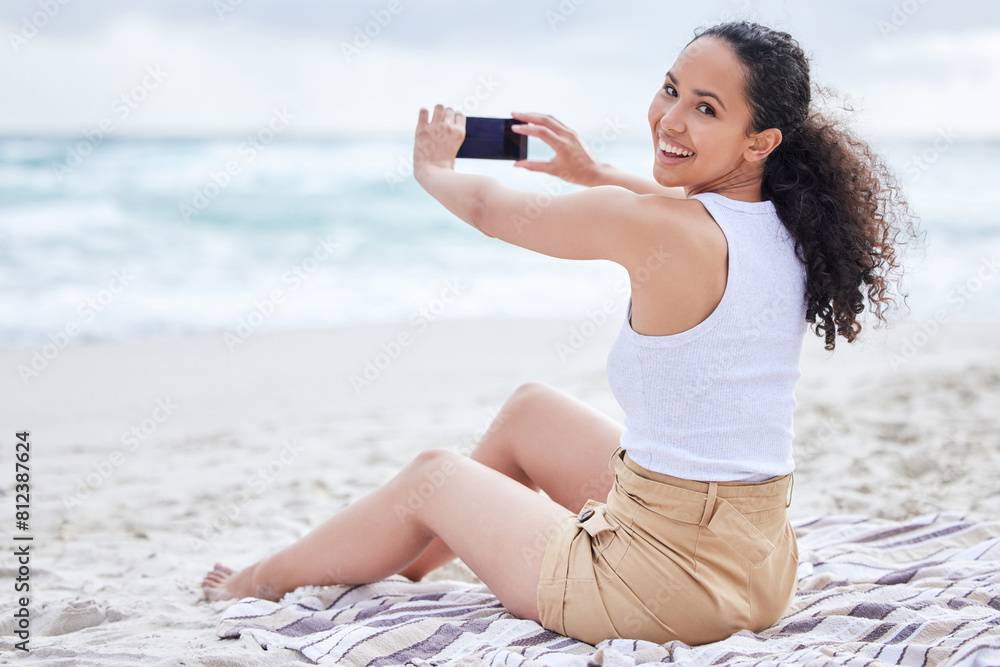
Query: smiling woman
x,y
762,216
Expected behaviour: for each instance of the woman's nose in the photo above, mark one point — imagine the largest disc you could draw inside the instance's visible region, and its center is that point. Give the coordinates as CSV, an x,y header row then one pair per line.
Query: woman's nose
x,y
672,120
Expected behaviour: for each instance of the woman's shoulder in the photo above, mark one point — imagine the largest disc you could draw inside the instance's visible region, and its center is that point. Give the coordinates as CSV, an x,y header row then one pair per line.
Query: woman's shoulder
x,y
681,278
716,203
682,223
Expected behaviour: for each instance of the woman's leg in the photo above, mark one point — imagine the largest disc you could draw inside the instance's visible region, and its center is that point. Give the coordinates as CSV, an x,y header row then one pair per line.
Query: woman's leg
x,y
545,439
497,526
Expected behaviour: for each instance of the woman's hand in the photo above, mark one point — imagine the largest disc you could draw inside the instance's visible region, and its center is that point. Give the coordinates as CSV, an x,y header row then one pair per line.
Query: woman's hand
x,y
437,142
573,162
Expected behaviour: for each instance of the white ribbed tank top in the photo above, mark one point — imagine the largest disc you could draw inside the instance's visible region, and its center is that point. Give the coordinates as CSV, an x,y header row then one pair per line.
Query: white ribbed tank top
x,y
715,402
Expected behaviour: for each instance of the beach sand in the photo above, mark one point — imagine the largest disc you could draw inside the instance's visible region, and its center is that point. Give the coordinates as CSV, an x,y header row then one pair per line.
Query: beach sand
x,y
153,459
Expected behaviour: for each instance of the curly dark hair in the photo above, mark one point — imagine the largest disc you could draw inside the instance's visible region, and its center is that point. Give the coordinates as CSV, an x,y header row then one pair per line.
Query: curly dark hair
x,y
836,196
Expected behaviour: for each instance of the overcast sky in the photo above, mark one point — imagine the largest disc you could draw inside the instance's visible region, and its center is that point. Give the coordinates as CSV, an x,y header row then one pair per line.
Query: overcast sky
x,y
222,67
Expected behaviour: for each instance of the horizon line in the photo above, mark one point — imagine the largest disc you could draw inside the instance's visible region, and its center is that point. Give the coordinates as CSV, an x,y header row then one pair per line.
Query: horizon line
x,y
394,136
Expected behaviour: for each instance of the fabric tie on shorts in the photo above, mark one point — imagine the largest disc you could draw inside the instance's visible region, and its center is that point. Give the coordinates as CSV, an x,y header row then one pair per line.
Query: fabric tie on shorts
x,y
713,494
707,504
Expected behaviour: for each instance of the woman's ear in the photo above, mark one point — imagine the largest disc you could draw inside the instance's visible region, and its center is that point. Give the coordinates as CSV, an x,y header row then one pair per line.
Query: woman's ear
x,y
762,144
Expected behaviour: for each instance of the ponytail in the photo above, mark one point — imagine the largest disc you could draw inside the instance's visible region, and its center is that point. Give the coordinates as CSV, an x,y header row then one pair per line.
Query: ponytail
x,y
836,196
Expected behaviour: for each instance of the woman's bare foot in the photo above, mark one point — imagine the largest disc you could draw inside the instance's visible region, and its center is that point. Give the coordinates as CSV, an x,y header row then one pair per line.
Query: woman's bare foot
x,y
222,583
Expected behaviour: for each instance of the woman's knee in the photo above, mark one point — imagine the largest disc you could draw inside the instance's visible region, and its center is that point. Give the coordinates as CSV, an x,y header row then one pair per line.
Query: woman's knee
x,y
432,468
419,486
435,457
516,412
530,391
527,398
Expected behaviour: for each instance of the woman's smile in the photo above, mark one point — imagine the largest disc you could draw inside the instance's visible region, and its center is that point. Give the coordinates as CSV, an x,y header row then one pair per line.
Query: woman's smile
x,y
671,152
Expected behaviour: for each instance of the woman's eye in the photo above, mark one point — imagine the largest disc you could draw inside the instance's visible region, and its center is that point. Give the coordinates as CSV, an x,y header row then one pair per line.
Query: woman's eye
x,y
669,90
708,110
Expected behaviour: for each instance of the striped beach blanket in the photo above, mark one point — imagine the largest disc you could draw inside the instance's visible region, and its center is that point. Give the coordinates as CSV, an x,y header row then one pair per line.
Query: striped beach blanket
x,y
871,592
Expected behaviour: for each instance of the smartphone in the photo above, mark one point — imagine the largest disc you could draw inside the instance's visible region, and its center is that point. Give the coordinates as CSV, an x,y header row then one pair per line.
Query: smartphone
x,y
492,139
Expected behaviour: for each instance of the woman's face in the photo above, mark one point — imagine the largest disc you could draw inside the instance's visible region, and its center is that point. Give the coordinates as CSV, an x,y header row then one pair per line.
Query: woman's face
x,y
701,116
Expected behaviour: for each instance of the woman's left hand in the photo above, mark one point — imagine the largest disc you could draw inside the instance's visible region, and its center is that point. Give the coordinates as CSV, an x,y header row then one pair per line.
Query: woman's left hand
x,y
437,141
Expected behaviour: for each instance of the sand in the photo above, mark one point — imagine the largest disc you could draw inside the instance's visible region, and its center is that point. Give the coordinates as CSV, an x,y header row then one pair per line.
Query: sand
x,y
153,459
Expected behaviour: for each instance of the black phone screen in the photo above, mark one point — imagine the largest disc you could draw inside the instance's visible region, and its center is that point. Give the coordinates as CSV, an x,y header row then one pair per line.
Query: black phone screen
x,y
492,139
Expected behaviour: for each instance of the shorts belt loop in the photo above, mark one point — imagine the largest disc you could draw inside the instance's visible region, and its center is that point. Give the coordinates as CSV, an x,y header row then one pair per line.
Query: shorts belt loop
x,y
791,485
611,460
706,516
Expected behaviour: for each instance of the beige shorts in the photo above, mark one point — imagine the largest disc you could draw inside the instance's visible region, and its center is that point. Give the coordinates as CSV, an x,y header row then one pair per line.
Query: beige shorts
x,y
667,558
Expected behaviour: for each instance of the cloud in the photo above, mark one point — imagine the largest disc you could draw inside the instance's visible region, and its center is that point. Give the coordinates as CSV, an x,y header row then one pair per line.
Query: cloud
x,y
359,68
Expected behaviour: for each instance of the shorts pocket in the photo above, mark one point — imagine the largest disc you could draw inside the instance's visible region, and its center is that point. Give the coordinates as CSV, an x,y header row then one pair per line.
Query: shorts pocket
x,y
741,535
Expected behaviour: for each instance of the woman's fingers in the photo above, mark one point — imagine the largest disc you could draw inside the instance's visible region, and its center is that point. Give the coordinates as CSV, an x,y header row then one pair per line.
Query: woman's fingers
x,y
540,131
543,129
437,142
543,119
573,161
441,114
534,165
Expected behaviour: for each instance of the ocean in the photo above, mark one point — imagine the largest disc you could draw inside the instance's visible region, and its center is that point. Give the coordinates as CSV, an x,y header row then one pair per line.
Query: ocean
x,y
115,239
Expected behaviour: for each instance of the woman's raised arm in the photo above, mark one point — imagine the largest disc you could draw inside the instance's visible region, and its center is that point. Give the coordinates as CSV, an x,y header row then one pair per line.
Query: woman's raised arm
x,y
575,163
605,222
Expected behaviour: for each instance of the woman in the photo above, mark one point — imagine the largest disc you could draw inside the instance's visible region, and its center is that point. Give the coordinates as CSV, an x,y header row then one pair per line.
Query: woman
x,y
762,216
